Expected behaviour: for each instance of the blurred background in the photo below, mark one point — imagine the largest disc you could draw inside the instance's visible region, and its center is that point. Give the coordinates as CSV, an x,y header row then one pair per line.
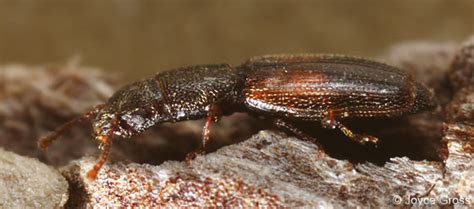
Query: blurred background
x,y
140,38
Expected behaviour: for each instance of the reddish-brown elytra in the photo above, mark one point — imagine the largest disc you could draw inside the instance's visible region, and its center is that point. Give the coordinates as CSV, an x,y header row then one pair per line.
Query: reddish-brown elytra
x,y
286,88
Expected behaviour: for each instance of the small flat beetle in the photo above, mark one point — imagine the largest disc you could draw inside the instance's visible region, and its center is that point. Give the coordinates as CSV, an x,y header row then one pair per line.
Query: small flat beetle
x,y
287,88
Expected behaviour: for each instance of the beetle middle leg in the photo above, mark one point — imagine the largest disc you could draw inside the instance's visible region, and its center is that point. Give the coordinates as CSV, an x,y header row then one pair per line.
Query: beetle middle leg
x,y
330,122
213,115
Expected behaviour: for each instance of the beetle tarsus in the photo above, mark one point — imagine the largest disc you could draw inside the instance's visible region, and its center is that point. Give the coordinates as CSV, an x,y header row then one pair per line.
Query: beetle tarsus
x,y
359,138
363,139
192,155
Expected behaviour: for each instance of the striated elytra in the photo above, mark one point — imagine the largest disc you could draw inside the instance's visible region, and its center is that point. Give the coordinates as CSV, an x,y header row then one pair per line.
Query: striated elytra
x,y
287,88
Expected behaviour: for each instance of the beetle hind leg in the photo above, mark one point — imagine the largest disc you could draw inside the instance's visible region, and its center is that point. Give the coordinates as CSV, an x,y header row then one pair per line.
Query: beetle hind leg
x,y
330,122
359,138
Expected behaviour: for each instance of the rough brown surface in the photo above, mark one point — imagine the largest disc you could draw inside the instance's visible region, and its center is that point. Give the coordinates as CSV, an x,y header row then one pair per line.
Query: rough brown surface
x,y
269,168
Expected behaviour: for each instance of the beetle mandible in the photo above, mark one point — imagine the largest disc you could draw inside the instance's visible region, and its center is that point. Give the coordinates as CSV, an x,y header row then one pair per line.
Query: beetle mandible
x,y
307,87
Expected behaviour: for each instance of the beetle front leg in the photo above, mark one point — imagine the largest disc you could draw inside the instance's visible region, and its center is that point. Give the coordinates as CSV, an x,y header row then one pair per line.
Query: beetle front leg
x,y
105,144
330,122
105,147
213,115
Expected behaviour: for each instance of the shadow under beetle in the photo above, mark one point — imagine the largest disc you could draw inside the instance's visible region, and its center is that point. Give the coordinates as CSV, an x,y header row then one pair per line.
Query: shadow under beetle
x,y
286,88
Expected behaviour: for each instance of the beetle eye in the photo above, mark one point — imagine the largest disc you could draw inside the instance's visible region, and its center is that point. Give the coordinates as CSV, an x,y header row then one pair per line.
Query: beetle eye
x,y
133,119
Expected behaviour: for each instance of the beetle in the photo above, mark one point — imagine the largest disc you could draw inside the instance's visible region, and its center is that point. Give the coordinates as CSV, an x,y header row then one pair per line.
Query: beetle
x,y
288,88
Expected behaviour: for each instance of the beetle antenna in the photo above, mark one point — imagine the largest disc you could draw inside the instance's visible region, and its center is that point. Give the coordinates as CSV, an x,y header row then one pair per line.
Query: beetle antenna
x,y
47,140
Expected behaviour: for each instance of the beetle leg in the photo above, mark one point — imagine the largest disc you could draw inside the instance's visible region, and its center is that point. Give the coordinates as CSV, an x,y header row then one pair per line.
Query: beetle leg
x,y
213,115
330,122
289,127
105,144
359,138
45,141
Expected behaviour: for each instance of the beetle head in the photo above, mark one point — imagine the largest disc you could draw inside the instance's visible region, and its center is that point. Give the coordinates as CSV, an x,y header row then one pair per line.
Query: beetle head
x,y
131,110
